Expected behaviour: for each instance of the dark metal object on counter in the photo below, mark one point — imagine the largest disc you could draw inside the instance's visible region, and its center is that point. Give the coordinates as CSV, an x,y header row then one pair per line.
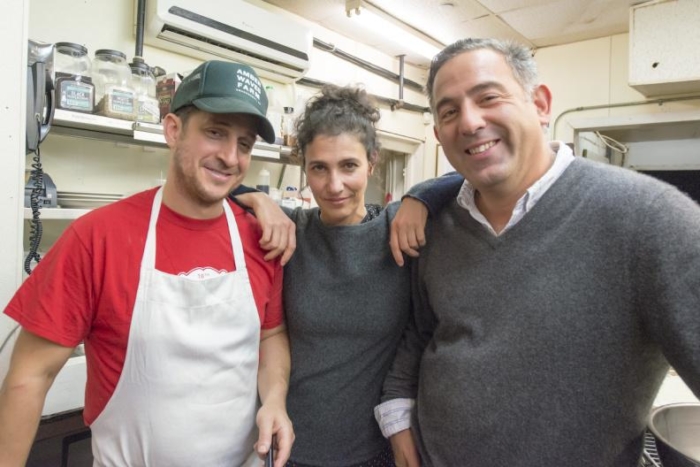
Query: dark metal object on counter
x,y
650,455
676,428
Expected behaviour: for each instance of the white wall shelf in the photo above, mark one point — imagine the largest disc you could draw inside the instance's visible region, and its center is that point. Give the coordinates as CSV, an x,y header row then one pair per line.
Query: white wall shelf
x,y
57,213
97,127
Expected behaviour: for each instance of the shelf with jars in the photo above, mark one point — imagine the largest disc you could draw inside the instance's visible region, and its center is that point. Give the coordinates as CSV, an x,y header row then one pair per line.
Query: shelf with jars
x,y
138,133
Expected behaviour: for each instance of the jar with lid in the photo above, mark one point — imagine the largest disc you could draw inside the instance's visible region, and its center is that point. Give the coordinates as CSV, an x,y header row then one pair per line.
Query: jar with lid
x,y
114,94
144,84
74,88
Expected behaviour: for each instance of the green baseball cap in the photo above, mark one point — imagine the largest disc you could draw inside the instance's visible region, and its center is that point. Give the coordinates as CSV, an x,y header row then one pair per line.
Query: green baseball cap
x,y
226,88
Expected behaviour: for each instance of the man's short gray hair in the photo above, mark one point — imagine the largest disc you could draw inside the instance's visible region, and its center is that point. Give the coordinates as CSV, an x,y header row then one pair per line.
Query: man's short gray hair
x,y
518,57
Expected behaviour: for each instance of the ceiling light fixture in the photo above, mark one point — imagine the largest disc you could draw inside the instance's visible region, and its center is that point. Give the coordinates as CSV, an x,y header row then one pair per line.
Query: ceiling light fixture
x,y
392,28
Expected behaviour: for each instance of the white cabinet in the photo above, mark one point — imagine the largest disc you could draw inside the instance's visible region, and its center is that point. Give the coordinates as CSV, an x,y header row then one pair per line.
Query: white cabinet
x,y
664,37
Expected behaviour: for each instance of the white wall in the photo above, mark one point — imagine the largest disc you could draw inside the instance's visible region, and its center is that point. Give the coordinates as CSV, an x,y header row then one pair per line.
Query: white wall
x,y
13,23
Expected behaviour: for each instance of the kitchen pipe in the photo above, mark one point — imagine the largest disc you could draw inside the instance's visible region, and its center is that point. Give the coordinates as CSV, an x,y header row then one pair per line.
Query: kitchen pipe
x,y
140,19
660,101
392,103
371,67
400,103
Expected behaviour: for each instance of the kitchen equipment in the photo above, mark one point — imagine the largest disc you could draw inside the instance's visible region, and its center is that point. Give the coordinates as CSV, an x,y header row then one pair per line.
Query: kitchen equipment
x,y
84,200
47,193
676,428
40,92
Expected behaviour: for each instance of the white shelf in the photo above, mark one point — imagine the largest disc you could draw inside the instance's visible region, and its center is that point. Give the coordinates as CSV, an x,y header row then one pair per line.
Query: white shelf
x,y
57,213
97,127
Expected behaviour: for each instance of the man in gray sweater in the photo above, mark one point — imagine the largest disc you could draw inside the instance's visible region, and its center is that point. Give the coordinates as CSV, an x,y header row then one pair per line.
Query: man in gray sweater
x,y
552,294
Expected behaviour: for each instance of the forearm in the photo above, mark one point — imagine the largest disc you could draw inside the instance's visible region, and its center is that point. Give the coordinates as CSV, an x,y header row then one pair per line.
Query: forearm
x,y
34,365
273,369
21,404
436,193
274,426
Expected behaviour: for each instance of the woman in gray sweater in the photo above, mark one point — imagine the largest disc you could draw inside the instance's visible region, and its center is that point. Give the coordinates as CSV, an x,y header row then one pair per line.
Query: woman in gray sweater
x,y
346,300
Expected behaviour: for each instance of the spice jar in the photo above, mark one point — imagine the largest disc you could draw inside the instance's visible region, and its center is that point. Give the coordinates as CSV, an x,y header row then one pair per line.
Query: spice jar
x,y
74,88
114,93
144,84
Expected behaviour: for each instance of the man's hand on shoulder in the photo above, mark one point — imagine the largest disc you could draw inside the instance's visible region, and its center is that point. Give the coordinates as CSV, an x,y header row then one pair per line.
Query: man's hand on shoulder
x,y
278,230
408,229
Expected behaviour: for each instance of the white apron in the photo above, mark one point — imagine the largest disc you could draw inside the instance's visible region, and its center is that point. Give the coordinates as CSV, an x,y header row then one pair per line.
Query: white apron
x,y
187,395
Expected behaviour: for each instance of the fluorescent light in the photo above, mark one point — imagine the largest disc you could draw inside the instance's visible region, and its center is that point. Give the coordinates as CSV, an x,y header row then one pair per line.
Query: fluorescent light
x,y
391,28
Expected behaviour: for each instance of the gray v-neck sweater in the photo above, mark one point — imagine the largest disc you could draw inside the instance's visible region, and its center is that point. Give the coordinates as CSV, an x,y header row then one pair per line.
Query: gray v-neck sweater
x,y
546,346
346,303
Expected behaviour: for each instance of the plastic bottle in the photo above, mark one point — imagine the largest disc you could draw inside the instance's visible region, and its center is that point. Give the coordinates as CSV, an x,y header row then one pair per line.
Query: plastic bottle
x,y
275,111
263,181
288,134
290,198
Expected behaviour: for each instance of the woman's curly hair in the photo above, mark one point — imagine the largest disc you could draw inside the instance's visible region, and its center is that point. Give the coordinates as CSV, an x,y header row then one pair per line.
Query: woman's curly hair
x,y
337,110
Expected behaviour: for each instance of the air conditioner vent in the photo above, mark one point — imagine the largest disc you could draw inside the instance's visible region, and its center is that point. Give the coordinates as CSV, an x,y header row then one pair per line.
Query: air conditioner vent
x,y
219,44
212,23
276,45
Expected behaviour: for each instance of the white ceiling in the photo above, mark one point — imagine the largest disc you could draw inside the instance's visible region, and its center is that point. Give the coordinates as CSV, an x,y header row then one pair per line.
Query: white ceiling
x,y
537,23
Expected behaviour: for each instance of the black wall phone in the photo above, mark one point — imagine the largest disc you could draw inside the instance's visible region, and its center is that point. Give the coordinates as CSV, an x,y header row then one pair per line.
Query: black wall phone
x,y
40,109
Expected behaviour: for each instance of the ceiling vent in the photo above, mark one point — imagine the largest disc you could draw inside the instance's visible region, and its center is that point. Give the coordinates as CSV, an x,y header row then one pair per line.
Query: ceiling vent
x,y
277,46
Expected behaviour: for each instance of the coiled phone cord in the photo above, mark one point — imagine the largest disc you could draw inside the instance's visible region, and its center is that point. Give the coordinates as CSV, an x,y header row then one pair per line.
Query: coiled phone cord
x,y
35,228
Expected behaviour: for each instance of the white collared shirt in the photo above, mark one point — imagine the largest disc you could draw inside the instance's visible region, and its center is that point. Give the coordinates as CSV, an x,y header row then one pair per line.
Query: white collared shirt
x,y
564,156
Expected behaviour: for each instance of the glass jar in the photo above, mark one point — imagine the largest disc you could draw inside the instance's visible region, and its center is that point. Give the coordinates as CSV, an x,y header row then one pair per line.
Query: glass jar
x,y
114,94
74,88
144,84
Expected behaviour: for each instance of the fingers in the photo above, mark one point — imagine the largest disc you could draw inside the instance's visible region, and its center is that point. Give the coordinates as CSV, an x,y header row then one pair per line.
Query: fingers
x,y
276,245
395,246
284,440
408,230
262,445
405,239
283,243
266,234
291,245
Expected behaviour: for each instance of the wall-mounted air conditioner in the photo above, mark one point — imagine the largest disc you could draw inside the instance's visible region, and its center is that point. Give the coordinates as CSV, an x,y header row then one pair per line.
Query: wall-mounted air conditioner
x,y
276,46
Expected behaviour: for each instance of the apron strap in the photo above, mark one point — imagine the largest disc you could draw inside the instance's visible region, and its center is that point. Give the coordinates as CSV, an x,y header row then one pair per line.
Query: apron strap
x,y
148,261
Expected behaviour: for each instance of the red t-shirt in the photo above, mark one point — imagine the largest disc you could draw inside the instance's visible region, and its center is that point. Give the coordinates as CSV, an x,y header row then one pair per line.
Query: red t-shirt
x,y
84,289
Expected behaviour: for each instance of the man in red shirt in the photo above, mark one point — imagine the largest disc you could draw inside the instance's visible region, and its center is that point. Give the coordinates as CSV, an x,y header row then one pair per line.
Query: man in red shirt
x,y
170,291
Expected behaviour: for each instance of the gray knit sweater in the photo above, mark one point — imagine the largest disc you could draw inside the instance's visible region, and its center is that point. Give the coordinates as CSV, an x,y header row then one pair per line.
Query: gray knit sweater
x,y
545,346
347,303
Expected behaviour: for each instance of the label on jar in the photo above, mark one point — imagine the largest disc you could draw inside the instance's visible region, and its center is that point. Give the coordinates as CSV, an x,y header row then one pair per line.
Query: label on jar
x,y
118,102
75,92
148,110
121,101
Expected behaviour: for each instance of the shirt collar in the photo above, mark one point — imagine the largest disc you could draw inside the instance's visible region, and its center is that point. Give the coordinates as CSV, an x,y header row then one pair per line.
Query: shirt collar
x,y
563,157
